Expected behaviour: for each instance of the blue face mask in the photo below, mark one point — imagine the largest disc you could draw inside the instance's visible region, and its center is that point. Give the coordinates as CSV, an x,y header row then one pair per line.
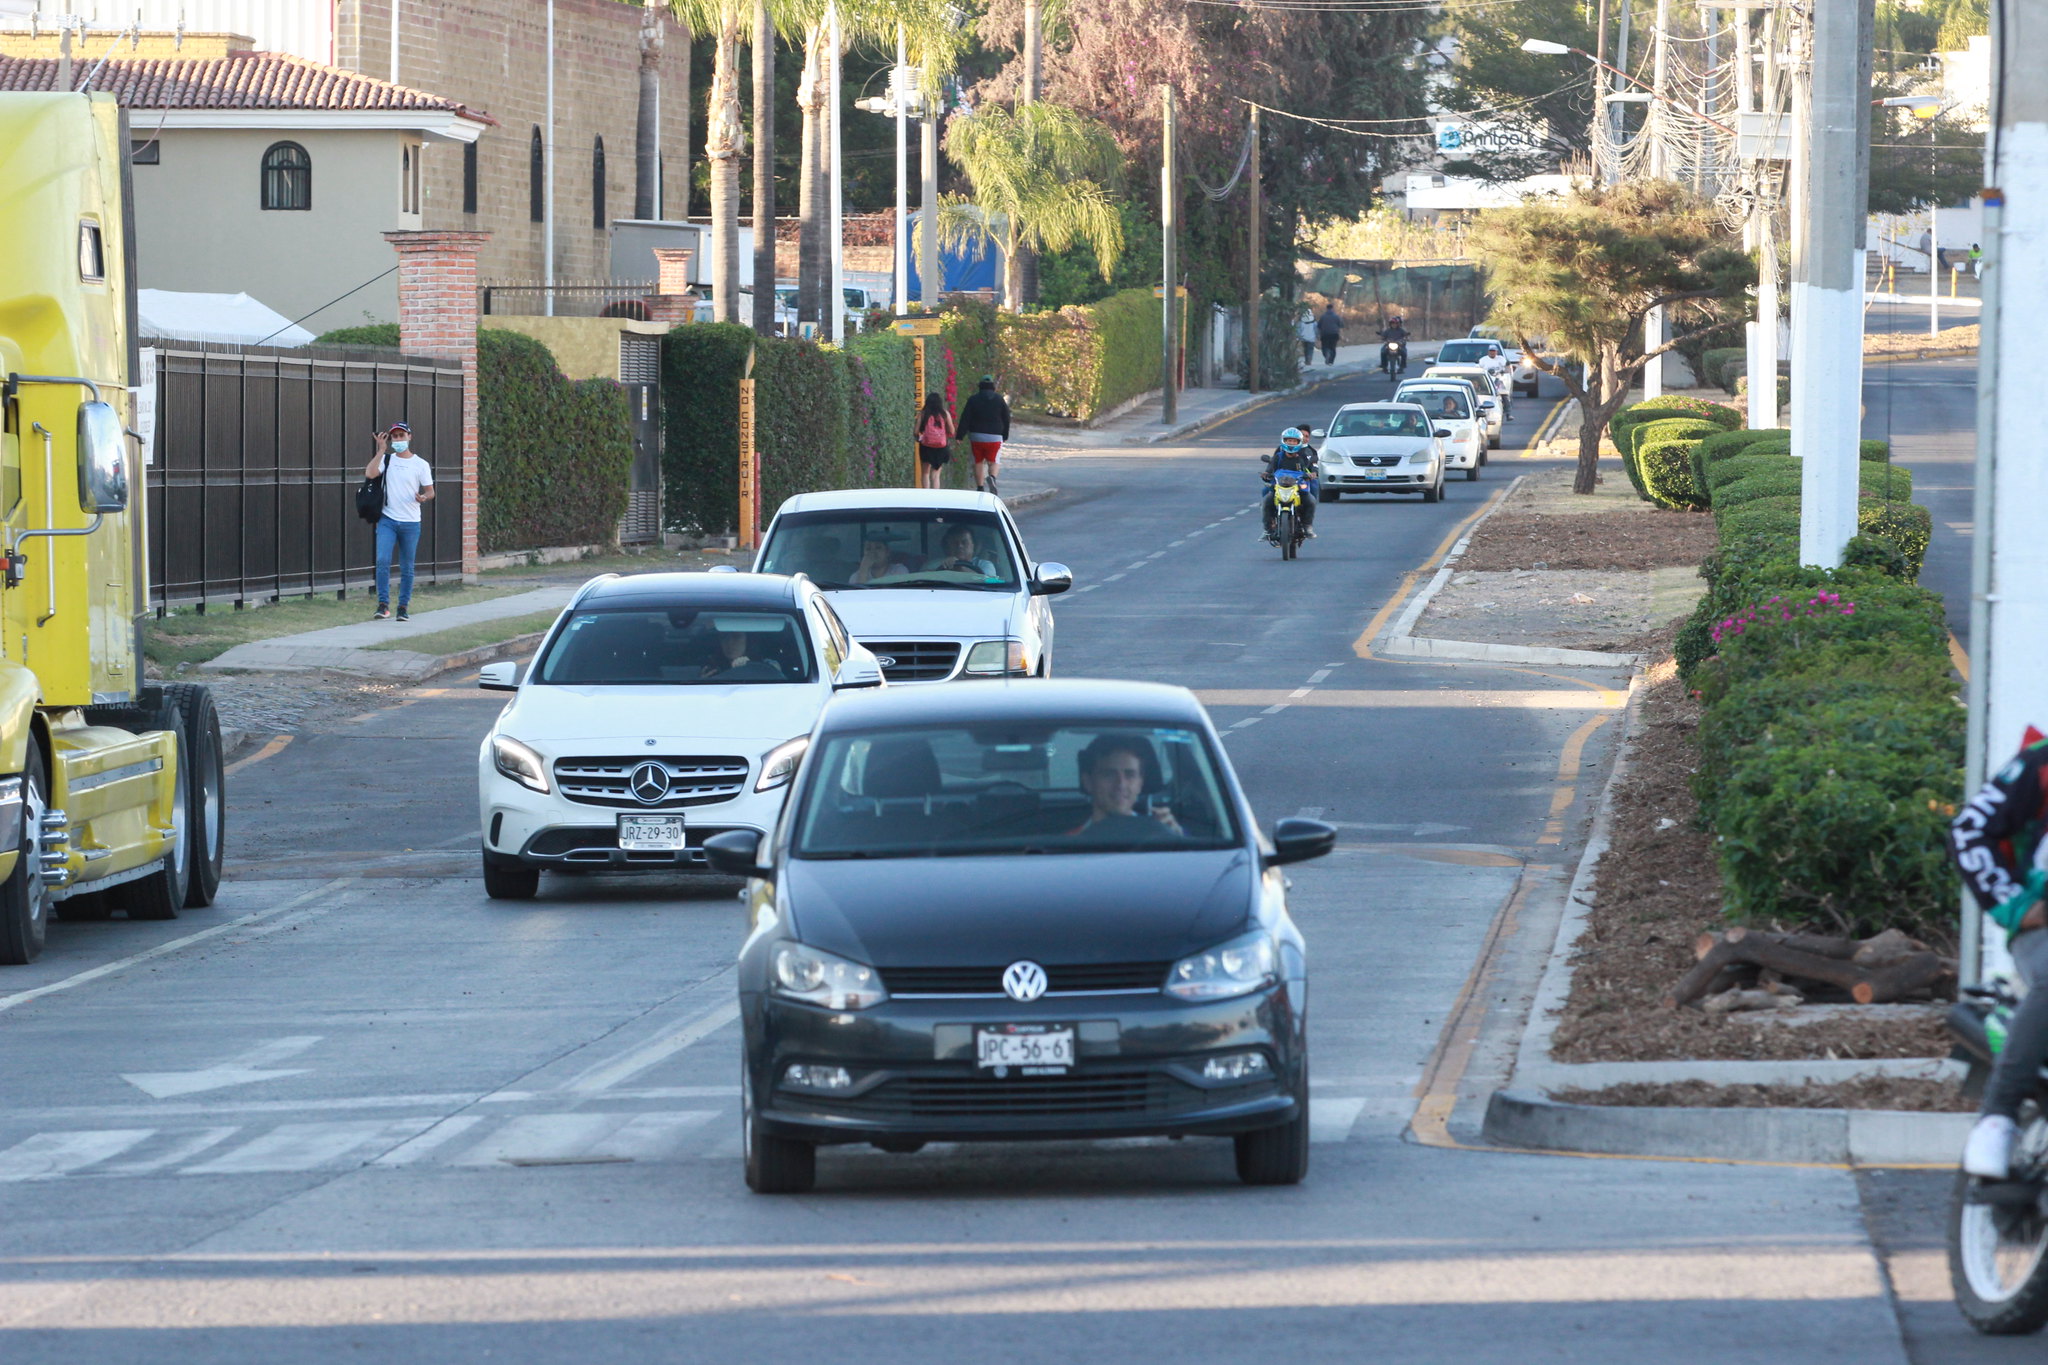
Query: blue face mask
x,y
400,447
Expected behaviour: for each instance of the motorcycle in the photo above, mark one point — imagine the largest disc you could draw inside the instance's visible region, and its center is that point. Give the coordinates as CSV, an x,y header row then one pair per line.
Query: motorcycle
x,y
1998,1229
1393,358
1288,530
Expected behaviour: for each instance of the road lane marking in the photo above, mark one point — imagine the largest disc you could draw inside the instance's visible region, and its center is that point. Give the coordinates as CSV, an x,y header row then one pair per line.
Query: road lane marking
x,y
1315,679
605,1075
246,1069
8,1002
182,1149
275,746
436,1137
48,1155
1115,576
1530,699
1362,646
303,1146
1568,764
1958,657
1330,1120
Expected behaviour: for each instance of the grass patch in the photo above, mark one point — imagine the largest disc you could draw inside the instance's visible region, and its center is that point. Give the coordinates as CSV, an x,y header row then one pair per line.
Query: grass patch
x,y
653,561
185,638
458,638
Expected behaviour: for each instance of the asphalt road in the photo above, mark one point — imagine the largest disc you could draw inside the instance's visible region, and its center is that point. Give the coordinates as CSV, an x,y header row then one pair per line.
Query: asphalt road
x,y
366,1111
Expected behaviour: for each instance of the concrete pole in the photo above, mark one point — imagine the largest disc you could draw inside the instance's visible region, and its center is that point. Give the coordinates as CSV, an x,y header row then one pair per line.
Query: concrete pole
x,y
547,178
835,304
1251,301
898,83
2009,601
1655,330
1169,232
1934,270
928,247
1763,230
1617,122
1827,284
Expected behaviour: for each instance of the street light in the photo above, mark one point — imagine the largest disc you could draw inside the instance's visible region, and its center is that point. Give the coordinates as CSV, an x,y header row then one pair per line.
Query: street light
x,y
1640,95
1545,47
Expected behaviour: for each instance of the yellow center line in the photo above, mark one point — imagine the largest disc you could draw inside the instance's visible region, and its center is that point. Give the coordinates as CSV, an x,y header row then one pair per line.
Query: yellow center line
x,y
1568,779
275,747
1958,656
1362,646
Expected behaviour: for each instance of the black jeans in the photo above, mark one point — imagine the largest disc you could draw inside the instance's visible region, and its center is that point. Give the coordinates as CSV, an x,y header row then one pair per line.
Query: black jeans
x,y
2026,1037
1306,508
1329,350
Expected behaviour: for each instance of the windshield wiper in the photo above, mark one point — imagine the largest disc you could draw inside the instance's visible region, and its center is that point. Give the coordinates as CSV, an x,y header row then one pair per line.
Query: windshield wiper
x,y
939,583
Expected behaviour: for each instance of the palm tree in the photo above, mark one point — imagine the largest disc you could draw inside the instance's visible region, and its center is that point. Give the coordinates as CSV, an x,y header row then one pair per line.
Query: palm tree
x,y
1040,174
725,141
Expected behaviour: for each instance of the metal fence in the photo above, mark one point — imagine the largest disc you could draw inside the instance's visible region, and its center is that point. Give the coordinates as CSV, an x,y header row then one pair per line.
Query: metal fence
x,y
572,298
255,458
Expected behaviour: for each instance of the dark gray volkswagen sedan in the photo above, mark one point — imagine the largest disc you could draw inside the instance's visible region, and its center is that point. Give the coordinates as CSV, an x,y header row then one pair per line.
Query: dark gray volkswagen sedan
x,y
1023,910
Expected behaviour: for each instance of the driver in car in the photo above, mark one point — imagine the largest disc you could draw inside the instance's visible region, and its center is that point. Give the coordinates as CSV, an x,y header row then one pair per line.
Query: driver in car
x,y
1448,409
732,645
1113,776
959,556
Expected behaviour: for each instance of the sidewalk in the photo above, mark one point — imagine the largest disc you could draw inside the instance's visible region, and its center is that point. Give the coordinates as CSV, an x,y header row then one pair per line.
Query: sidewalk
x,y
1202,408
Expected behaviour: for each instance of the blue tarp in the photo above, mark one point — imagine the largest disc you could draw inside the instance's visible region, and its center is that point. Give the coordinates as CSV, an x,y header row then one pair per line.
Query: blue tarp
x,y
975,267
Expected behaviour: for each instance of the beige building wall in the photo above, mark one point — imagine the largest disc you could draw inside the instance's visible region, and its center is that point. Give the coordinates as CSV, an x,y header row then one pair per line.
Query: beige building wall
x,y
584,348
492,56
201,225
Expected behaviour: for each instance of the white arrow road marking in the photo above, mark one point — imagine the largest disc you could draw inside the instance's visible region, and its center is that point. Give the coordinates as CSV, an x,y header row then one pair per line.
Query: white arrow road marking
x,y
243,1070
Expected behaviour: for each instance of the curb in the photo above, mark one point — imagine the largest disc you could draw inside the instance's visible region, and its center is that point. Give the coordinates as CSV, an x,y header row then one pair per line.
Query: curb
x,y
1399,642
1036,495
1835,1137
1869,356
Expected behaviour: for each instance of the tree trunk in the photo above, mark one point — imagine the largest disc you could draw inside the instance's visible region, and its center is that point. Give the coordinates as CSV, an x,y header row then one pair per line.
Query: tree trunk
x,y
1033,90
1013,279
647,131
724,142
764,170
810,235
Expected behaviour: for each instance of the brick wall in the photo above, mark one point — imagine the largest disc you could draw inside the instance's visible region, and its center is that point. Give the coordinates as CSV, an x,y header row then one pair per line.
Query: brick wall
x,y
492,55
437,316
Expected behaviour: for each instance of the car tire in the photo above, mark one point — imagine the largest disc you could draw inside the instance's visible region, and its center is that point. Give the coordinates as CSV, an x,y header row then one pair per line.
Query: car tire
x,y
1435,491
508,879
1276,1156
1327,495
1472,474
25,897
774,1165
1493,443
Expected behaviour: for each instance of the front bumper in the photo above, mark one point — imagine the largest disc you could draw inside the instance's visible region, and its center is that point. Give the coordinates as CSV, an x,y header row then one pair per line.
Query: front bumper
x,y
1137,1073
1401,478
552,832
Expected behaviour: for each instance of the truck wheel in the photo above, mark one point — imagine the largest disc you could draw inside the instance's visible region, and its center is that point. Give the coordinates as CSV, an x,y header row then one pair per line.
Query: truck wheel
x,y
24,897
161,894
205,781
508,879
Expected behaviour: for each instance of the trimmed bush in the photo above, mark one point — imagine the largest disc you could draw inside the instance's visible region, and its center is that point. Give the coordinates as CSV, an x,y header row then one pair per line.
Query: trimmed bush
x,y
374,334
1722,446
1874,452
1781,477
1667,474
554,458
1740,467
1681,405
1651,425
1714,358
1081,362
701,365
1907,526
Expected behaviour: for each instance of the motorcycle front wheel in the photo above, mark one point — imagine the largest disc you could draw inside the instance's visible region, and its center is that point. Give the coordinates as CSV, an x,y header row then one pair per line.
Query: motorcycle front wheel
x,y
1998,1239
1285,530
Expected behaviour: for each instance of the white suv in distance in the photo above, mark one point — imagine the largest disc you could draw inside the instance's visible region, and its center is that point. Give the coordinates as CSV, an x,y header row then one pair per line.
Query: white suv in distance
x,y
1453,405
660,710
1493,403
1381,448
935,582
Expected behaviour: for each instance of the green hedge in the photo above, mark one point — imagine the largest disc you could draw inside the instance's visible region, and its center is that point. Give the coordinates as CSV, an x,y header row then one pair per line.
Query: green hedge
x,y
1080,362
701,367
374,334
1666,467
1712,361
1779,475
1739,467
1722,446
1636,437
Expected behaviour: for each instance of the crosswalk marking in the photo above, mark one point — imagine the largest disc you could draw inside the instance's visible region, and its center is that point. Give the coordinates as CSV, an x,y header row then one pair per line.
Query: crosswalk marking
x,y
181,1148
303,1146
436,1137
53,1154
1331,1120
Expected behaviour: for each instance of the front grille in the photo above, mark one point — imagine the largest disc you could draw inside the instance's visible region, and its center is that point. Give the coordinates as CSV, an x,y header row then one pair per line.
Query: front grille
x,y
692,781
1376,461
1092,976
1079,1094
916,660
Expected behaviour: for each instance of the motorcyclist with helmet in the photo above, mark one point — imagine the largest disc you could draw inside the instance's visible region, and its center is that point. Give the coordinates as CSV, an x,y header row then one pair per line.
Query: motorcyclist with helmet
x,y
1393,342
1296,454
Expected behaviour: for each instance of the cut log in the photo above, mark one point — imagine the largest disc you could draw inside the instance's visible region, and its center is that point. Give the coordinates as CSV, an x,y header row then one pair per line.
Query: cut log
x,y
1902,978
1882,950
1728,1002
1865,985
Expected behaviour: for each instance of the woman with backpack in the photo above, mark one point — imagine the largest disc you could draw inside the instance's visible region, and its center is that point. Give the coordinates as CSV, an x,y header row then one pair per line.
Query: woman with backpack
x,y
934,440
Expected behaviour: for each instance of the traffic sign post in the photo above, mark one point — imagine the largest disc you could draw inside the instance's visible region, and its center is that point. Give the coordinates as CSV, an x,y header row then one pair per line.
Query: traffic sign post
x,y
917,366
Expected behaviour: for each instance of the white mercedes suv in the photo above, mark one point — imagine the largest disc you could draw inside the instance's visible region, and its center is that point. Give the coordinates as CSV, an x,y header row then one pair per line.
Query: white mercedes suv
x,y
660,710
935,582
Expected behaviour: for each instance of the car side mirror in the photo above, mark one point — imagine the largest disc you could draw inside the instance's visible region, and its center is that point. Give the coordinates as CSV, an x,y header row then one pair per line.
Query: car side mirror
x,y
1050,580
102,473
1318,433
734,853
1443,433
498,677
1488,403
723,568
1429,360
857,670
1296,840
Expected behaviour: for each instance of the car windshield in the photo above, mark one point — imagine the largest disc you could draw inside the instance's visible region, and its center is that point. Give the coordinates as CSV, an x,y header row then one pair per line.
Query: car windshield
x,y
1441,403
1380,422
890,547
1463,352
1022,788
668,645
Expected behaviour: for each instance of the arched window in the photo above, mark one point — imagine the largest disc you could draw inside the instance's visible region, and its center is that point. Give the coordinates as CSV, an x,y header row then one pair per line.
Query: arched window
x,y
469,177
597,184
287,177
536,177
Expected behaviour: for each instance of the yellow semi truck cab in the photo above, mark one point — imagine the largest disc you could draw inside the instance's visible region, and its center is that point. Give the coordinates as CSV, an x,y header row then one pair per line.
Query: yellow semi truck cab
x,y
111,786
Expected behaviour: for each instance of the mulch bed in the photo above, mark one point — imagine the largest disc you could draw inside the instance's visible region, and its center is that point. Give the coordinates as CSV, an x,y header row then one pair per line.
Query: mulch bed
x,y
1619,540
1657,888
1872,1092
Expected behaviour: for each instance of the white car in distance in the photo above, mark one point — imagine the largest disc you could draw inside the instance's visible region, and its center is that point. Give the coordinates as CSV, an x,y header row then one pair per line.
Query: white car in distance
x,y
1492,402
660,709
935,582
1453,405
1381,448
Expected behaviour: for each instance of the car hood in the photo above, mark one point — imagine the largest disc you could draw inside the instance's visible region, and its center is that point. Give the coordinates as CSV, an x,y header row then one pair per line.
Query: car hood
x,y
923,613
556,719
1065,908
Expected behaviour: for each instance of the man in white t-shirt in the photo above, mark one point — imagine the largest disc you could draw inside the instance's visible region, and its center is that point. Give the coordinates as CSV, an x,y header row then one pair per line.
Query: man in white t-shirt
x,y
408,483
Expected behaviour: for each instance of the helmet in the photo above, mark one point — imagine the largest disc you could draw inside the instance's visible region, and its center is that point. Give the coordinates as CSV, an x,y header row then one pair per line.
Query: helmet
x,y
1291,437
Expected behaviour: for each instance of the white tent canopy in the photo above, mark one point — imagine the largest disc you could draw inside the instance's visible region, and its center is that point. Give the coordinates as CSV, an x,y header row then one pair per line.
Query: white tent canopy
x,y
215,317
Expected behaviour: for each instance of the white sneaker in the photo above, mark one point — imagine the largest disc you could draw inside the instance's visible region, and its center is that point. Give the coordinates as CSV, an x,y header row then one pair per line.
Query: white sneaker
x,y
1988,1153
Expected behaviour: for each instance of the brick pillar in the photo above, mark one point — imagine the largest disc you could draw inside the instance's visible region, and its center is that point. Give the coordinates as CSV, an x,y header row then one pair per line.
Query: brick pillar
x,y
437,316
673,300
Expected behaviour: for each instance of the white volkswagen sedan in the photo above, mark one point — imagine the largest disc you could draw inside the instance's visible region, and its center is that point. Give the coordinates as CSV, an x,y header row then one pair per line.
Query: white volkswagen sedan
x,y
936,583
1381,448
1453,405
660,710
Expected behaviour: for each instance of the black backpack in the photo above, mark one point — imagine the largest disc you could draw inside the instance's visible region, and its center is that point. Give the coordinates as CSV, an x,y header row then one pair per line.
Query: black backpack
x,y
370,495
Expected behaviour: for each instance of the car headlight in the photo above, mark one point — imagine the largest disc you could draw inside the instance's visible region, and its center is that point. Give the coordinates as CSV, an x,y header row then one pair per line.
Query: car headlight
x,y
521,764
798,971
992,658
1421,456
1243,965
778,765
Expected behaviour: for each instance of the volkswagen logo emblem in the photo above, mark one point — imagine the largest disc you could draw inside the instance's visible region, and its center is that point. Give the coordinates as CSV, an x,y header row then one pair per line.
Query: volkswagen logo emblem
x,y
649,783
1023,981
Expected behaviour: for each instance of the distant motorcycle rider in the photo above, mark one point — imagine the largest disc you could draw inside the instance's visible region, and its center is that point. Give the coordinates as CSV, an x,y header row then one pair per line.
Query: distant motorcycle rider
x,y
1393,342
1293,453
1997,842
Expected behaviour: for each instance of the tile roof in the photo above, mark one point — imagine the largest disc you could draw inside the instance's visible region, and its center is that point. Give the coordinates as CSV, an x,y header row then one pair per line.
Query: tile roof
x,y
244,80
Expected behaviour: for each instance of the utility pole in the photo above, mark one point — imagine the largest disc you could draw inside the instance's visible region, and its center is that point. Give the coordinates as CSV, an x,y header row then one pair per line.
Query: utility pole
x,y
1827,279
2009,570
1034,89
1760,108
899,99
764,170
835,302
1617,119
928,244
1604,169
1251,301
1169,231
1654,324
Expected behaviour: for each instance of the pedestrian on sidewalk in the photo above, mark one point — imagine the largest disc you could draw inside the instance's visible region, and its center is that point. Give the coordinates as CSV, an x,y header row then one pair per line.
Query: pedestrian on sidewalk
x,y
408,483
1976,261
987,420
1329,327
935,433
1305,332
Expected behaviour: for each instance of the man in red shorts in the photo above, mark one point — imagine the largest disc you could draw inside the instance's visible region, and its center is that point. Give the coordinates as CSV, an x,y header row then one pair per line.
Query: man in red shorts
x,y
986,420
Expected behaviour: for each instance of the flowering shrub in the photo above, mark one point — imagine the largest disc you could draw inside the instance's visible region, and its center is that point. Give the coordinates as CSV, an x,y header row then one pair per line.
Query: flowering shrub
x,y
1778,609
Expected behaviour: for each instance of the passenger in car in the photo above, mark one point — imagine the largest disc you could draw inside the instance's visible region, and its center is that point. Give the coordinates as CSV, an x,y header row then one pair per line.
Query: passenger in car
x,y
960,555
878,559
1113,772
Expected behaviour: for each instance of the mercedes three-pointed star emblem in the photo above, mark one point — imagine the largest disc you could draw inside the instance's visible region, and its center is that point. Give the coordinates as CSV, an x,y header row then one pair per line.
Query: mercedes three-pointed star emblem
x,y
649,783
